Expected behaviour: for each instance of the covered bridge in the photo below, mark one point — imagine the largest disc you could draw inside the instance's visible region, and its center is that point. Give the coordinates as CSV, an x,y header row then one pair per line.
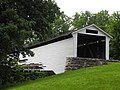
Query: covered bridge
x,y
87,42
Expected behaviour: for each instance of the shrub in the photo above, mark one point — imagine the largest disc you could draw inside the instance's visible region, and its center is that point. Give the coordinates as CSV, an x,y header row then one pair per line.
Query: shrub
x,y
32,75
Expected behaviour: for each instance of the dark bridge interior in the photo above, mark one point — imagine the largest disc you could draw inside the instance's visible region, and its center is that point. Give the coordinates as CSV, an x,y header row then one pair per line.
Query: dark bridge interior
x,y
90,46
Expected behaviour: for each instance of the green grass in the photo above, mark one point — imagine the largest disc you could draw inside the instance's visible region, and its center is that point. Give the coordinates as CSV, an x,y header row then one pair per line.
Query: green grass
x,y
105,77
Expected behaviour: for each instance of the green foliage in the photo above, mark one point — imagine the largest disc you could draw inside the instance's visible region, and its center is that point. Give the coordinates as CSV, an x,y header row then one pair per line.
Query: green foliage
x,y
43,12
101,19
114,30
83,19
33,75
93,78
61,24
14,31
10,75
21,23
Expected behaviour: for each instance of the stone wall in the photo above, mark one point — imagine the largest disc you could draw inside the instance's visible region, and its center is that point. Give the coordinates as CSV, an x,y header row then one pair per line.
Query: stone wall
x,y
74,63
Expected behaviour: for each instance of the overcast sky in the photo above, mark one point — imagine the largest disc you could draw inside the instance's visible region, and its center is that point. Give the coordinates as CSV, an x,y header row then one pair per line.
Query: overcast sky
x,y
72,6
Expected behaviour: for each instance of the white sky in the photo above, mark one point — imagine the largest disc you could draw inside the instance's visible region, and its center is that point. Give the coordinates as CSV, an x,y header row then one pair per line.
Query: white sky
x,y
94,6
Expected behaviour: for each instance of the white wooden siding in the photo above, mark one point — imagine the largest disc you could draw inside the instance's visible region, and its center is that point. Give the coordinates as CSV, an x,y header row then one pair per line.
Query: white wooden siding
x,y
53,56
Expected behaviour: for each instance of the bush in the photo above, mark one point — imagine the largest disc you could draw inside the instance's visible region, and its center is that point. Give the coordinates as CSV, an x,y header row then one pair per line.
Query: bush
x,y
32,75
19,76
10,75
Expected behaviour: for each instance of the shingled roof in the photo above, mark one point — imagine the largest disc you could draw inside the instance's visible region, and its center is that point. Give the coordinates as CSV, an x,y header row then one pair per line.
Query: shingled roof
x,y
65,36
52,40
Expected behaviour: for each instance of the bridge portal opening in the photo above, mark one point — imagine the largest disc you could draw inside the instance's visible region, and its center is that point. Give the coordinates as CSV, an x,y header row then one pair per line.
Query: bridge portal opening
x,y
90,46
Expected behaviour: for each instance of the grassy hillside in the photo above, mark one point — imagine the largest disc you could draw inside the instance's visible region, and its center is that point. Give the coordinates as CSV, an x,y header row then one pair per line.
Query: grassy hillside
x,y
105,77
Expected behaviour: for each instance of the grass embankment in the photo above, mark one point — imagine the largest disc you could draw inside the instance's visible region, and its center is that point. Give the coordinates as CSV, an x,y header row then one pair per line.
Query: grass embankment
x,y
105,77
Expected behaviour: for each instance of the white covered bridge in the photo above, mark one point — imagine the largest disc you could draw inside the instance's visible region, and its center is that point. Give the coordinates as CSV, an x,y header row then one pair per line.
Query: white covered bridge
x,y
87,42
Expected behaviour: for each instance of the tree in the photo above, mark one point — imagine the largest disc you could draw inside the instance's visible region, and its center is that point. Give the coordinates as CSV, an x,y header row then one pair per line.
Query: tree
x,y
114,30
14,33
43,12
61,24
81,20
22,22
101,19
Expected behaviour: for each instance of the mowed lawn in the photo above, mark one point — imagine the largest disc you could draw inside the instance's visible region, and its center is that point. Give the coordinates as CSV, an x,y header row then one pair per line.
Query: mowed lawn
x,y
105,77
